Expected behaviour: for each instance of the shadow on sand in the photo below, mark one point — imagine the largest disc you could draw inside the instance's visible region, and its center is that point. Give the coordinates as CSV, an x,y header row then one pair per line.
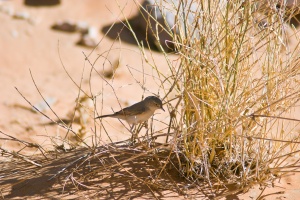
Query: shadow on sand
x,y
112,172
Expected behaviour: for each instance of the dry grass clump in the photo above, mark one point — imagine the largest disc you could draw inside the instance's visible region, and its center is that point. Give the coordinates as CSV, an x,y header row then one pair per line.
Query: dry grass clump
x,y
231,100
238,81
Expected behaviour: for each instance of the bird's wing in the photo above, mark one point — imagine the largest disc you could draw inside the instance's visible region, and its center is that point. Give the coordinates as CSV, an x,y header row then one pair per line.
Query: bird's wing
x,y
135,109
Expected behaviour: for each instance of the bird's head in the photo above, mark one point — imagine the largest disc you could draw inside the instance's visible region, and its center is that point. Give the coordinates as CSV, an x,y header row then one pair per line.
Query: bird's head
x,y
154,102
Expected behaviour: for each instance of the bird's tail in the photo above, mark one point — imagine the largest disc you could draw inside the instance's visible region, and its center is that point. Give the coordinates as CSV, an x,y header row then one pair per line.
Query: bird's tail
x,y
102,116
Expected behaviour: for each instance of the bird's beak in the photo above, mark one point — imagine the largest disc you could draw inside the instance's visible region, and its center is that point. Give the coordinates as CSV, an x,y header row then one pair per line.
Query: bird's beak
x,y
162,109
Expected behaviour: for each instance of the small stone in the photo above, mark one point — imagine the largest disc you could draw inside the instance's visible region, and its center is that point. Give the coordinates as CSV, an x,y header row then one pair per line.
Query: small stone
x,y
108,73
87,41
93,32
15,33
66,26
43,106
82,27
34,21
9,10
21,15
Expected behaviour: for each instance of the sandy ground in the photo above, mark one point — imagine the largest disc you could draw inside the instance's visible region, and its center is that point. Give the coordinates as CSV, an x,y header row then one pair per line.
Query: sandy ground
x,y
31,45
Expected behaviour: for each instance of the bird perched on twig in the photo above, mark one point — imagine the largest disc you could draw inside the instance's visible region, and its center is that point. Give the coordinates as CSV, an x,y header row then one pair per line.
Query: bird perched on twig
x,y
139,112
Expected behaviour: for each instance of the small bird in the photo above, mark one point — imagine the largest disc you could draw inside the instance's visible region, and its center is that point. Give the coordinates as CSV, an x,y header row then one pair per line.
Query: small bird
x,y
139,112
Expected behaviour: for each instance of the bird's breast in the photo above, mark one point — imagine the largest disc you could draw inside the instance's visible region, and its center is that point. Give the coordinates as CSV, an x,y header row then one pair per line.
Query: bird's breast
x,y
136,119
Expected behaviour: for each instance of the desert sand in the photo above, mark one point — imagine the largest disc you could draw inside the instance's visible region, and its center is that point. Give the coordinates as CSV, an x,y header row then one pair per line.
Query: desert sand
x,y
30,46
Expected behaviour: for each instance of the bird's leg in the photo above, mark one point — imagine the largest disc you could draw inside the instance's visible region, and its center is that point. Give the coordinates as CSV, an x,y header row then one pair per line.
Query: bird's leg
x,y
133,133
146,124
147,129
149,138
131,128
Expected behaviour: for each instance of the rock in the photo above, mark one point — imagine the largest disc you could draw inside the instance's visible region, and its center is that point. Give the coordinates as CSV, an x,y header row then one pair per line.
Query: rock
x,y
71,26
163,20
66,26
89,39
82,27
42,2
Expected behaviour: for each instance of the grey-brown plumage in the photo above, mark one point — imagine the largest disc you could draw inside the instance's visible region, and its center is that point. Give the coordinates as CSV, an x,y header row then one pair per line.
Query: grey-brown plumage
x,y
138,112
